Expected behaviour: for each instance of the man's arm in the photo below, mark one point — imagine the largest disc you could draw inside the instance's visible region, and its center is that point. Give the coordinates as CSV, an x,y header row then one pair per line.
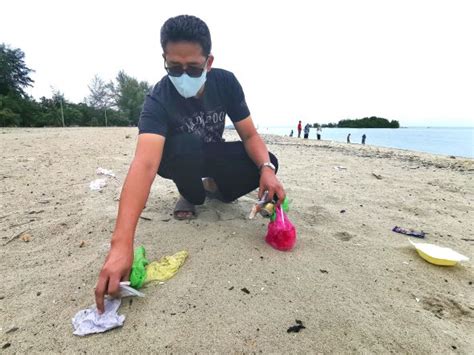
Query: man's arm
x,y
135,191
258,152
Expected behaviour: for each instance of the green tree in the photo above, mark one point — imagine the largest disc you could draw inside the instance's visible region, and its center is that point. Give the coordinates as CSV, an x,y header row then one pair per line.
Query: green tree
x,y
129,95
14,74
101,96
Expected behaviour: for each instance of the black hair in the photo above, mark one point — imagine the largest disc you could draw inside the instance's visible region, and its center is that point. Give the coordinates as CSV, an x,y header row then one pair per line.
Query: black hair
x,y
186,28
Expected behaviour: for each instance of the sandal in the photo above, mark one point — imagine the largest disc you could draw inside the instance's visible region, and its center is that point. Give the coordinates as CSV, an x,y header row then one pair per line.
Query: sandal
x,y
184,205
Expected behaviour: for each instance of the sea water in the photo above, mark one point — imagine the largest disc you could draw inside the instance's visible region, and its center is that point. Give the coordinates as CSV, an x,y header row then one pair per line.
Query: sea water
x,y
443,141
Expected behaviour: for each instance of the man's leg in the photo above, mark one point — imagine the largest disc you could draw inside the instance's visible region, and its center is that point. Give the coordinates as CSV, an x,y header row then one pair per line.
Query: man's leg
x,y
232,169
183,163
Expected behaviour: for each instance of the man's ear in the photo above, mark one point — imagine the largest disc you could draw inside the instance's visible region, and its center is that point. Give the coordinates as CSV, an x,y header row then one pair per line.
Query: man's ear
x,y
210,60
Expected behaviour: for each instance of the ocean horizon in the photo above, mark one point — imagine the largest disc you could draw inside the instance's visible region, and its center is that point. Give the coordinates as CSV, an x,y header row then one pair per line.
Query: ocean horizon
x,y
450,141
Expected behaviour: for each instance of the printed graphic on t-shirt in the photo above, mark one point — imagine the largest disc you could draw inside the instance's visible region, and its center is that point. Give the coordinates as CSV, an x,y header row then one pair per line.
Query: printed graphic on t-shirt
x,y
208,125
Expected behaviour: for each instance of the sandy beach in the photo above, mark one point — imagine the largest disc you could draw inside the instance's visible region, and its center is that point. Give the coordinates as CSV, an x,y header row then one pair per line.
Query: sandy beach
x,y
356,286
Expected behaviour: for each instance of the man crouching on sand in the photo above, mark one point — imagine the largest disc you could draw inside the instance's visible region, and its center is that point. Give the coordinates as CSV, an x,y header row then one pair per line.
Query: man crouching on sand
x,y
180,137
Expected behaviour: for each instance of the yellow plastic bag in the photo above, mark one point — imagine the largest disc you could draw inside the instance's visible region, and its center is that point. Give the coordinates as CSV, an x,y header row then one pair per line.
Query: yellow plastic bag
x,y
166,268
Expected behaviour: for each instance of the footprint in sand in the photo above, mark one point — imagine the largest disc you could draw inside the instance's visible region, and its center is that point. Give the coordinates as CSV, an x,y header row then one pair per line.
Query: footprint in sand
x,y
446,308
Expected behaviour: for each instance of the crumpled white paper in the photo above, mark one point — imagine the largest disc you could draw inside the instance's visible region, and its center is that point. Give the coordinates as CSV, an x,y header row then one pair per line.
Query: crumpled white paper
x,y
89,321
98,184
102,171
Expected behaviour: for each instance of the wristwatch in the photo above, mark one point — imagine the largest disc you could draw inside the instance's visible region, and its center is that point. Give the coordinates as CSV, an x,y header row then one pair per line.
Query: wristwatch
x,y
267,164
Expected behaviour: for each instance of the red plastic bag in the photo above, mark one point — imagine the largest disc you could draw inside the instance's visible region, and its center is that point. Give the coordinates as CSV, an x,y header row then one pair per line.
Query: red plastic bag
x,y
281,233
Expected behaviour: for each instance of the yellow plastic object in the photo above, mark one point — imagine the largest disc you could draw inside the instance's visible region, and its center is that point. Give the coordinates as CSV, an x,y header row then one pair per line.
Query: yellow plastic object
x,y
438,255
166,268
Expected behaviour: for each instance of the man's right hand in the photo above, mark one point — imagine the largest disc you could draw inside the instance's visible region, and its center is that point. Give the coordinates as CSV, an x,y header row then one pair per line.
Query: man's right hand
x,y
116,268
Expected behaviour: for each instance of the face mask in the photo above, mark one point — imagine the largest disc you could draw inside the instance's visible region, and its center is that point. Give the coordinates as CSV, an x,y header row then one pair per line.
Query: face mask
x,y
186,86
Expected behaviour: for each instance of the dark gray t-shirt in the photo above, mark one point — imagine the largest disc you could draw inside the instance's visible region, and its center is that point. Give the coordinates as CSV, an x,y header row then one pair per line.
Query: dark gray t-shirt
x,y
167,113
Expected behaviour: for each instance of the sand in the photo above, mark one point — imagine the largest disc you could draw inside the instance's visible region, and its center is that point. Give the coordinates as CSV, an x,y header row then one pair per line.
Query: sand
x,y
354,284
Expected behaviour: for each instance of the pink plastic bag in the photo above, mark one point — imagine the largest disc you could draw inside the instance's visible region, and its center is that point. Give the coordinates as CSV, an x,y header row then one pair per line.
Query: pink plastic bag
x,y
281,233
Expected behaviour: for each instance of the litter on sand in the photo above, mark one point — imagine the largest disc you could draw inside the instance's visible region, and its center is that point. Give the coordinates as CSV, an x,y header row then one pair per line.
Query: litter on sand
x,y
340,167
102,171
144,272
438,255
296,328
89,321
281,233
411,232
127,291
98,184
166,268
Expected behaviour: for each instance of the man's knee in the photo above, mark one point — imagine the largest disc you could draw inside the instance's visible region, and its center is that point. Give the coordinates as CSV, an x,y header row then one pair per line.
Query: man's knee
x,y
181,154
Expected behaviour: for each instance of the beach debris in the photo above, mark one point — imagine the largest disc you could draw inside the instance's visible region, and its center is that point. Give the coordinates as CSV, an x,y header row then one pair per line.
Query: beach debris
x,y
16,236
342,211
145,218
128,136
377,176
82,244
166,268
138,272
98,184
245,290
410,232
296,328
26,237
89,321
127,291
281,233
144,272
106,172
340,167
259,205
6,346
438,255
12,330
323,271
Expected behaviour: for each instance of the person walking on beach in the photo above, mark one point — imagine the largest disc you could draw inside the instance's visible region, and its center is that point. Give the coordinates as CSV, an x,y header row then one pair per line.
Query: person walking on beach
x,y
318,133
291,133
180,138
299,129
306,130
349,138
363,138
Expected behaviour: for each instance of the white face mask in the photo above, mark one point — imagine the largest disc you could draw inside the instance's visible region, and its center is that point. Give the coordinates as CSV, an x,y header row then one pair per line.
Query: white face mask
x,y
186,86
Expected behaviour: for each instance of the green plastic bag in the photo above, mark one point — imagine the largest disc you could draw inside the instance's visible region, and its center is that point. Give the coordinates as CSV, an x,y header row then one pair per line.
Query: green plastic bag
x,y
285,206
138,273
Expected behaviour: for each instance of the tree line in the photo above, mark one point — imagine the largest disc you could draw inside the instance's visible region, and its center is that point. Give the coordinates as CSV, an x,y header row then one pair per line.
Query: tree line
x,y
114,103
366,122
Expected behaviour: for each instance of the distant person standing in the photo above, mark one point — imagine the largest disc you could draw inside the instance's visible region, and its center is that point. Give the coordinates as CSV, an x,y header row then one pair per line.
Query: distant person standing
x,y
306,130
363,138
349,138
319,131
299,129
291,133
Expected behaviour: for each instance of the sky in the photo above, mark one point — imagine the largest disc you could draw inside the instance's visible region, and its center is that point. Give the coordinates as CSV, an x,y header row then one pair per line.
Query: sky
x,y
315,61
